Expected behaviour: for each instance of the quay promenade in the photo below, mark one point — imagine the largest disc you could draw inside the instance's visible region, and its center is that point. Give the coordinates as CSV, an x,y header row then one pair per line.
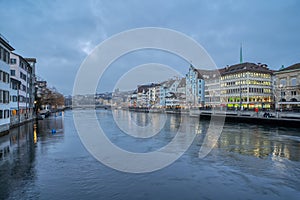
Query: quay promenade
x,y
286,119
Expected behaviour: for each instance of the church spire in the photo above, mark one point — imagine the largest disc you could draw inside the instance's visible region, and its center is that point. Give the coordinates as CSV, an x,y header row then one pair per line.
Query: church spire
x,y
241,54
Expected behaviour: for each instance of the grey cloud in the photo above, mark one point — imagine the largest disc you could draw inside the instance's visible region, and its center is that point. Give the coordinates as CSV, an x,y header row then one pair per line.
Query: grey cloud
x,y
60,34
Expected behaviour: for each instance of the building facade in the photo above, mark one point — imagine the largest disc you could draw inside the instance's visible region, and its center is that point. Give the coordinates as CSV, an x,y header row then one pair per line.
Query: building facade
x,y
31,83
247,86
195,90
14,102
5,50
21,70
212,80
287,88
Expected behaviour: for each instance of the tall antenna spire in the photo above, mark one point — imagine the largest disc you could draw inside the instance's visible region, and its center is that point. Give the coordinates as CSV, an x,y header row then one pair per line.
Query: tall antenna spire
x,y
241,54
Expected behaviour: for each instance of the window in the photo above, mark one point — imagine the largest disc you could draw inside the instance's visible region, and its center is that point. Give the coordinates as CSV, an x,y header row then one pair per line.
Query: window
x,y
293,93
24,88
6,114
23,76
14,99
293,81
1,114
13,61
1,50
14,85
283,82
5,97
13,72
4,77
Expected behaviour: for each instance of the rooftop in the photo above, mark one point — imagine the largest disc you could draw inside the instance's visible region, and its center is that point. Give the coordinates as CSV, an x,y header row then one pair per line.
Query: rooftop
x,y
145,88
292,67
30,60
182,82
5,42
245,67
207,74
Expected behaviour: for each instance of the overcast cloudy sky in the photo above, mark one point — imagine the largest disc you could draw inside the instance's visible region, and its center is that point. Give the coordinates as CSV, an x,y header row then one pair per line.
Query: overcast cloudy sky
x,y
60,34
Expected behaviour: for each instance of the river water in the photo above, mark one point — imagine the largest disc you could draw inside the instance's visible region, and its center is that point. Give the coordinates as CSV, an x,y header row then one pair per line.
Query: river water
x,y
247,162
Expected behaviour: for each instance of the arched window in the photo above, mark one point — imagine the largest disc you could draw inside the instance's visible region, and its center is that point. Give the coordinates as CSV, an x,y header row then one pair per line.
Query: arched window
x,y
293,100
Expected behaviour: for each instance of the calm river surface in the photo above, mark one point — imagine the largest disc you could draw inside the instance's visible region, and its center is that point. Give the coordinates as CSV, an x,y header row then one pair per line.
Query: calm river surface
x,y
248,162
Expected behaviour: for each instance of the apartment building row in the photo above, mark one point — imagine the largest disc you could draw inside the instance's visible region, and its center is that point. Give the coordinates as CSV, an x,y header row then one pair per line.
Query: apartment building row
x,y
241,86
17,78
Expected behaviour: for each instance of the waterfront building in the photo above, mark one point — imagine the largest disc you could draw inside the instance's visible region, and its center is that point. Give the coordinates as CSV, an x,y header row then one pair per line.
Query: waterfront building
x,y
287,87
142,96
146,95
31,83
212,87
172,101
163,91
21,70
171,88
5,50
14,103
195,90
181,93
153,95
246,86
121,99
133,99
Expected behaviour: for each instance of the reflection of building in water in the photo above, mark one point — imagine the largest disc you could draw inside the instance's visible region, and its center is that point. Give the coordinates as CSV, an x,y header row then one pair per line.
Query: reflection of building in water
x,y
280,150
17,161
175,122
4,149
54,122
254,143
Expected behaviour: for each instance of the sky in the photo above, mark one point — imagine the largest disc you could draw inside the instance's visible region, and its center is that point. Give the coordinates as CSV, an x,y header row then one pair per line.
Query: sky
x,y
61,34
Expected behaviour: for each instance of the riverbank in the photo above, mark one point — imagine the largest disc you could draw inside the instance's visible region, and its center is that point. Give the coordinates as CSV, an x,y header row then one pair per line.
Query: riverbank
x,y
284,119
11,126
263,118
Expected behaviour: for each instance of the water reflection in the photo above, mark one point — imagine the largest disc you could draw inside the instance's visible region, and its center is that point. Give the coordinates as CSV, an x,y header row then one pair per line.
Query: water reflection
x,y
18,156
261,142
245,139
17,161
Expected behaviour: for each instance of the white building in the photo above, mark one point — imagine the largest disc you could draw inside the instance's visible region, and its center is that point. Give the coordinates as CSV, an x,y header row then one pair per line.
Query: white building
x,y
212,87
5,50
195,94
170,87
14,103
146,95
21,70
